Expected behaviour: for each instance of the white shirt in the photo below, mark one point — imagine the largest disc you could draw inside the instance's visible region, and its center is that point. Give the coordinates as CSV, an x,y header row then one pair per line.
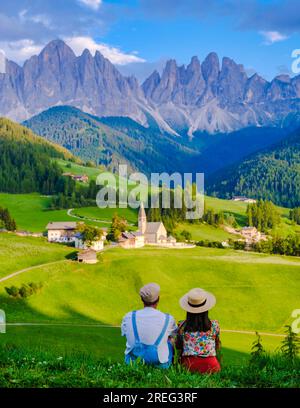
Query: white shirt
x,y
150,323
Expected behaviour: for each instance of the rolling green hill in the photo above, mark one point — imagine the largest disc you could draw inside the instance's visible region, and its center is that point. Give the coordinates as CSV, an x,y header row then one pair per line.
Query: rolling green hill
x,y
32,213
76,300
272,174
25,161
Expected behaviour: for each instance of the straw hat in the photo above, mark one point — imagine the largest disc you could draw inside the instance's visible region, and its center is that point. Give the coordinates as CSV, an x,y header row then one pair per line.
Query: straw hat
x,y
197,300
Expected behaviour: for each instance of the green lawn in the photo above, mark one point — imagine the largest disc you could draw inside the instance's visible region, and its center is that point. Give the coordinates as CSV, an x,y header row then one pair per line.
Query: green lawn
x,y
108,343
236,208
106,214
17,253
31,211
75,168
254,292
204,232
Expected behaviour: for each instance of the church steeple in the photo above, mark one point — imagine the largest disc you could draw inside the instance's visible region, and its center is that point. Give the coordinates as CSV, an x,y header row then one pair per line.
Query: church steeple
x,y
142,220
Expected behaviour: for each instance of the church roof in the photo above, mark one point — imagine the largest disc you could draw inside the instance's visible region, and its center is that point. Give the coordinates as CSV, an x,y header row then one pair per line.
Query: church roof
x,y
152,227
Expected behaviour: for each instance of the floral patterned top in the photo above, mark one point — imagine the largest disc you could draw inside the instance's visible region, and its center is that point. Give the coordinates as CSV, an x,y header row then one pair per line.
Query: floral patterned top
x,y
201,343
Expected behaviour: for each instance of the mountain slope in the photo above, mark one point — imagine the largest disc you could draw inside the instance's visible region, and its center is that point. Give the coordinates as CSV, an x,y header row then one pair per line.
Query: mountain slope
x,y
26,163
272,174
216,97
111,141
114,140
212,96
230,148
57,76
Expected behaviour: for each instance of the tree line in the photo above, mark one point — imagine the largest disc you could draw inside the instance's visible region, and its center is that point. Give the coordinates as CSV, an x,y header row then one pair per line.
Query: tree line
x,y
295,215
263,215
26,163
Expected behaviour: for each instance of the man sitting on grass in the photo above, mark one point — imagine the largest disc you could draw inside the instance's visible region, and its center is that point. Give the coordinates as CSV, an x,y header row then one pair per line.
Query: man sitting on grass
x,y
148,331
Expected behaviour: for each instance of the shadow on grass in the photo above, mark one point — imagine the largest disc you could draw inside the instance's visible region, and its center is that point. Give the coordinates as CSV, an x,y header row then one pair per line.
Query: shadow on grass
x,y
72,256
75,333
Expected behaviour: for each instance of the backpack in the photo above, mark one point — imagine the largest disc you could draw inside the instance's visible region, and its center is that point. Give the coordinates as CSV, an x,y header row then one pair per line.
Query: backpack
x,y
146,352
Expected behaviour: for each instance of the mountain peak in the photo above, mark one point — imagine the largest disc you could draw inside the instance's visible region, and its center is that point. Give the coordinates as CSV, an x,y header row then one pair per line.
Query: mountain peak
x,y
211,67
86,54
283,78
171,66
194,65
58,47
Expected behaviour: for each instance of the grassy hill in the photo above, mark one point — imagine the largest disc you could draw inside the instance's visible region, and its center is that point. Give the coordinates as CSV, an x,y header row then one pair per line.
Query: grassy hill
x,y
77,298
32,213
272,174
23,367
12,132
25,161
14,253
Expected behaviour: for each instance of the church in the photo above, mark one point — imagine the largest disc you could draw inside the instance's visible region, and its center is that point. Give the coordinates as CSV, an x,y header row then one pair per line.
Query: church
x,y
153,233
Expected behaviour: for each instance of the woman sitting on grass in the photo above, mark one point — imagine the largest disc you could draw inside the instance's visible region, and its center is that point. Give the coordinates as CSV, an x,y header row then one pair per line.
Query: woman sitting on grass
x,y
198,337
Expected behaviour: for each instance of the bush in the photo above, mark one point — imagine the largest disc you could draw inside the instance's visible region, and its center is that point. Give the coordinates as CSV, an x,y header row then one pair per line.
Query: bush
x,y
186,235
291,344
210,244
25,290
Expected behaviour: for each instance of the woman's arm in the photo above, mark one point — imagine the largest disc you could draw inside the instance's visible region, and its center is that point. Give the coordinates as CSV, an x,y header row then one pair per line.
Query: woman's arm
x,y
218,343
219,349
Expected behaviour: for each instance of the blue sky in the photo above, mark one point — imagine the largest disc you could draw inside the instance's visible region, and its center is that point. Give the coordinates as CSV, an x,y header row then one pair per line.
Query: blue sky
x,y
140,35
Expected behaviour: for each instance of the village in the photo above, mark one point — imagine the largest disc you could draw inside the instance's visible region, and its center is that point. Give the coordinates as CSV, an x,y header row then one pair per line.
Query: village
x,y
148,233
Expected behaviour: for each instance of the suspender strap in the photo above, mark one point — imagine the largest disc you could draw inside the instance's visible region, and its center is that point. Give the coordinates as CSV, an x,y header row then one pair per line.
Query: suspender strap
x,y
163,332
135,331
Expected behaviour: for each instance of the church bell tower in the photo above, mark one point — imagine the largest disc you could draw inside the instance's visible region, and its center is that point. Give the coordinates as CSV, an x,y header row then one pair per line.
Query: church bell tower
x,y
142,220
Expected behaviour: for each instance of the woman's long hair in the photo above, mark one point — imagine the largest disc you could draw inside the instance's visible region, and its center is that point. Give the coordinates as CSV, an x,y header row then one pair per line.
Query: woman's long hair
x,y
197,322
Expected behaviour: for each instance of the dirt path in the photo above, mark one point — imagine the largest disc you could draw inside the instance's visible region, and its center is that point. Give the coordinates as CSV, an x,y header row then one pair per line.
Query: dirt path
x,y
118,327
70,214
30,269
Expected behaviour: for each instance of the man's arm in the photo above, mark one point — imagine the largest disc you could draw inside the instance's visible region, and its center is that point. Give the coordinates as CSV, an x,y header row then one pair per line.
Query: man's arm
x,y
124,325
172,329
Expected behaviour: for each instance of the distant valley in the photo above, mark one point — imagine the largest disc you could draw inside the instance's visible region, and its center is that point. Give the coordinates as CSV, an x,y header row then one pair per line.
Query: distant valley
x,y
204,117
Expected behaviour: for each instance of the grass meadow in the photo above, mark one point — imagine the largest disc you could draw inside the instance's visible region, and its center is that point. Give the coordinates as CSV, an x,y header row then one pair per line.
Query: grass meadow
x,y
79,305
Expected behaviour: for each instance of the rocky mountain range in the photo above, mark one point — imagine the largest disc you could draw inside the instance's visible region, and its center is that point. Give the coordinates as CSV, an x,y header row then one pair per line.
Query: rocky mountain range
x,y
207,96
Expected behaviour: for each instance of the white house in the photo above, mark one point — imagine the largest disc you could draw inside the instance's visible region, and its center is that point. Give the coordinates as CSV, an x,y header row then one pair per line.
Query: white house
x,y
244,199
97,245
62,232
132,239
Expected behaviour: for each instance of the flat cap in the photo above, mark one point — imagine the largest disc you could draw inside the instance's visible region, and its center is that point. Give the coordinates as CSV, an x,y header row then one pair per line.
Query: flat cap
x,y
150,292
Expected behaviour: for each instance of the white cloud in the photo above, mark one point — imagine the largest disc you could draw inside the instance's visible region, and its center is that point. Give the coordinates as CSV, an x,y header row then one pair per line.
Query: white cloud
x,y
20,50
93,4
38,18
272,37
114,54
